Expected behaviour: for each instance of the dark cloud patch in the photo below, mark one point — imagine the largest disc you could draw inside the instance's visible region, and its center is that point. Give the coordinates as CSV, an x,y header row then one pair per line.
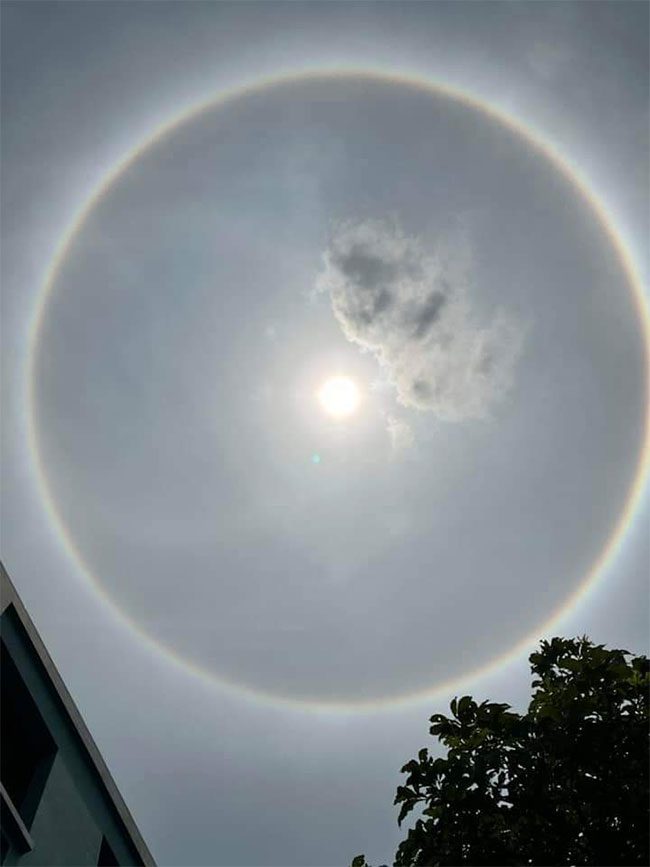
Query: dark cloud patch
x,y
368,271
374,307
412,308
421,389
428,314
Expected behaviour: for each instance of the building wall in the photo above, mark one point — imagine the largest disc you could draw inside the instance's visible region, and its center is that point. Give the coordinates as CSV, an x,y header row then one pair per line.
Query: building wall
x,y
64,831
73,810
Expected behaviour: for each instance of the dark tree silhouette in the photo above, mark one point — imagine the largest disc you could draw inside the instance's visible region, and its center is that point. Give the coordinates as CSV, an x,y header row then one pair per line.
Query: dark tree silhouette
x,y
564,783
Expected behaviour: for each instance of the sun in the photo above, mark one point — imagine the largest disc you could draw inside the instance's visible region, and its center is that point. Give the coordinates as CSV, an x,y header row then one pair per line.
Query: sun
x,y
339,396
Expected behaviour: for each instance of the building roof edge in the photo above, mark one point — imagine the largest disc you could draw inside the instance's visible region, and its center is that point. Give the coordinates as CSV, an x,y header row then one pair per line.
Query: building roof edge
x,y
9,596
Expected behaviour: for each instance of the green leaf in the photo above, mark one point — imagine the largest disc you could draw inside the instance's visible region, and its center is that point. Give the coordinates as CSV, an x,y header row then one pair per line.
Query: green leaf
x,y
403,813
549,711
571,664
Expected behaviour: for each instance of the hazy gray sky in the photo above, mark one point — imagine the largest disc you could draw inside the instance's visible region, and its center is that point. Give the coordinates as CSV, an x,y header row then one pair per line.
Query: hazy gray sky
x,y
323,226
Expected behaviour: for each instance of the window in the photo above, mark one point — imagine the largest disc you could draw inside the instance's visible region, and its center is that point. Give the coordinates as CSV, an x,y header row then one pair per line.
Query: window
x,y
28,749
106,856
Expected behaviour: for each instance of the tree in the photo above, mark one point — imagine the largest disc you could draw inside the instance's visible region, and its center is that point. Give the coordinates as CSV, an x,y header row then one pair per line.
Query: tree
x,y
564,783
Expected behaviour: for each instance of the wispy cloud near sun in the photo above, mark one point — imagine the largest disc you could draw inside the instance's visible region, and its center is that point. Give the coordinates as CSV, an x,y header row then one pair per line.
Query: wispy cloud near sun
x,y
411,307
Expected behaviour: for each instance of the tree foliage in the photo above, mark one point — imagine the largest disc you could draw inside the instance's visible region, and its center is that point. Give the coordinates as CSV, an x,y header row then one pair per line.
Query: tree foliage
x,y
564,783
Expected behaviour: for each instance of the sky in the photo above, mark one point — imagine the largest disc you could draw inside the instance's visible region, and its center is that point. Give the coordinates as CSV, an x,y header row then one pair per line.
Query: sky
x,y
208,211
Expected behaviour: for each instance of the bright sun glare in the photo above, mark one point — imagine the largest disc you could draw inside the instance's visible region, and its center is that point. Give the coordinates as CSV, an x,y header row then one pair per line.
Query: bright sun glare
x,y
339,396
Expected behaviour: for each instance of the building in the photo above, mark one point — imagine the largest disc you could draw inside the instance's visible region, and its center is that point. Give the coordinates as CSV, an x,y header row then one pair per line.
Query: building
x,y
60,805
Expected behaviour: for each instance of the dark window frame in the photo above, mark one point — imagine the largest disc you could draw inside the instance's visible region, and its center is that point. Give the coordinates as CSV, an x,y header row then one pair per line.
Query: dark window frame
x,y
106,856
23,786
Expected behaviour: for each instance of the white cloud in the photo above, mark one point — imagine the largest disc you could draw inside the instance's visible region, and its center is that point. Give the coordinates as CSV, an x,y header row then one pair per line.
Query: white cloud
x,y
400,433
411,308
